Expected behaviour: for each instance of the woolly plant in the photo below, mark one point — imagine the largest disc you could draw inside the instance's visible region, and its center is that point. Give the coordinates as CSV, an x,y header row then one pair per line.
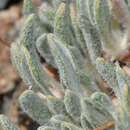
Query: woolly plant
x,y
84,40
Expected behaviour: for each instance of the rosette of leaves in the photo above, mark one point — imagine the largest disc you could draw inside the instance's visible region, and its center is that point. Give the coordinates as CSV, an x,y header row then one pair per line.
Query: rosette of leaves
x,y
71,36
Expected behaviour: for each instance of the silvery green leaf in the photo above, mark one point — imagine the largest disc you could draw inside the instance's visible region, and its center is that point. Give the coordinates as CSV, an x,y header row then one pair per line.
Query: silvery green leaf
x,y
44,50
28,7
28,48
78,33
72,104
85,123
46,14
45,128
102,15
68,75
96,115
63,26
35,107
6,124
77,58
90,10
123,97
89,85
69,126
19,61
123,90
39,74
55,105
107,72
27,41
90,33
105,101
57,120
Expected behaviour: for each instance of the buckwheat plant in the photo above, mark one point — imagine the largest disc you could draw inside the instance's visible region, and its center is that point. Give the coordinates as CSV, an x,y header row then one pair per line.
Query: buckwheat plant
x,y
84,40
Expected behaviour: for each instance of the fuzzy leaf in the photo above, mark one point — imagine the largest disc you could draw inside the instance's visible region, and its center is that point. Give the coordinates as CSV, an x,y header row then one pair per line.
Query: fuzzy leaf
x,y
72,104
45,128
56,105
62,24
69,77
33,61
102,12
57,120
78,33
85,123
69,126
6,124
90,33
35,107
105,101
19,61
46,14
123,96
107,71
28,7
90,10
44,50
96,115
